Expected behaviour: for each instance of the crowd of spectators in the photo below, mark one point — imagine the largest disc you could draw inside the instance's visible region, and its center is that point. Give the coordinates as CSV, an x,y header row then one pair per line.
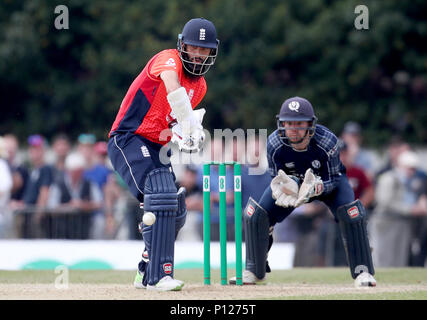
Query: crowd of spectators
x,y
68,190
56,191
394,195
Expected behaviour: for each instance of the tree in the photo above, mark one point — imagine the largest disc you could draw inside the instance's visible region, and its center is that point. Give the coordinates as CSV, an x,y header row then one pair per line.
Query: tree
x,y
73,80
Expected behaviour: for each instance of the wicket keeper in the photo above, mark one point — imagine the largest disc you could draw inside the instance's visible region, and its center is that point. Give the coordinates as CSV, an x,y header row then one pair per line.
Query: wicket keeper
x,y
303,158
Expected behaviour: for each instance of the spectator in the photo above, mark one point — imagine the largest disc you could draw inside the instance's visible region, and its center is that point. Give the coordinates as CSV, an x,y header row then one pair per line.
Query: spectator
x,y
122,210
358,156
77,197
19,171
359,180
37,189
95,154
61,146
194,196
98,171
399,200
85,146
253,185
56,226
6,184
395,147
418,256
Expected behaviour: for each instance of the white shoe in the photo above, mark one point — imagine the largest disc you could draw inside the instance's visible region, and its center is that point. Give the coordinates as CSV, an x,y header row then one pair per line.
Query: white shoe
x,y
167,284
365,280
248,277
137,283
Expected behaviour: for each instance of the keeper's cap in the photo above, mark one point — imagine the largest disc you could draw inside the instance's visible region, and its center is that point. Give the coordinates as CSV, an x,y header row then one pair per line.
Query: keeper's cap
x,y
296,109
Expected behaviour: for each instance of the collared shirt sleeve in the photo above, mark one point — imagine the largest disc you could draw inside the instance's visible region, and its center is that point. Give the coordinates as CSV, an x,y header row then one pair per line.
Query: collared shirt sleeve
x,y
331,145
334,168
273,144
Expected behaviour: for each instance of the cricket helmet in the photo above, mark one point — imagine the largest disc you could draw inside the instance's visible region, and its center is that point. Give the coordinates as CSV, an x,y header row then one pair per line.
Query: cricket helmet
x,y
296,109
198,32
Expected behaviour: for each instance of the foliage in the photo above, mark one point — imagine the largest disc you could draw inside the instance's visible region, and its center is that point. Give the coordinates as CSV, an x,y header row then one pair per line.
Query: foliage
x,y
73,80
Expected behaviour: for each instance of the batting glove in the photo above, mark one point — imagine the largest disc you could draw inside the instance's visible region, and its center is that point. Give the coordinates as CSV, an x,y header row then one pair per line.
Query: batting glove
x,y
188,143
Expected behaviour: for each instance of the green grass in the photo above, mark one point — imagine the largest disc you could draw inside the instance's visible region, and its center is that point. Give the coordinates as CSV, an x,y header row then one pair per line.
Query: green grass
x,y
76,276
416,295
296,276
408,276
342,275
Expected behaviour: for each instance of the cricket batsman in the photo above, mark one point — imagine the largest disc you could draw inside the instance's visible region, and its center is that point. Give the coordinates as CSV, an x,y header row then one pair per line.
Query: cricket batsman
x,y
161,99
303,159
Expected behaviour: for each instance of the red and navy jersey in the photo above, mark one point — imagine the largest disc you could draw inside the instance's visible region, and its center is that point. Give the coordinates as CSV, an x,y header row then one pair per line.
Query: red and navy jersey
x,y
145,109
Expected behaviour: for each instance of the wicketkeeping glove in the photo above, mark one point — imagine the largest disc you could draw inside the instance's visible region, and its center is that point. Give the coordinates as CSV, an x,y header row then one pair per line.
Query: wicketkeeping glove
x,y
312,186
284,190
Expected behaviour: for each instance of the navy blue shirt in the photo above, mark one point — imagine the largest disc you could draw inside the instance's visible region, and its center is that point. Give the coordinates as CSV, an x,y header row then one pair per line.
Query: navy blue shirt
x,y
38,177
23,172
322,155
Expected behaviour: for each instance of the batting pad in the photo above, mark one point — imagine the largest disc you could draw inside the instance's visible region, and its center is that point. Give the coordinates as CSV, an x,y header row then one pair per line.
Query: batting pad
x,y
160,197
257,238
182,210
352,221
